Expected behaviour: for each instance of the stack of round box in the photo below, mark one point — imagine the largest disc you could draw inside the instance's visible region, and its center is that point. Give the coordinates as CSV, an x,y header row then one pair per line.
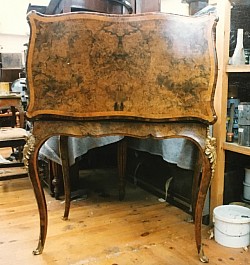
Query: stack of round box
x,y
246,183
232,225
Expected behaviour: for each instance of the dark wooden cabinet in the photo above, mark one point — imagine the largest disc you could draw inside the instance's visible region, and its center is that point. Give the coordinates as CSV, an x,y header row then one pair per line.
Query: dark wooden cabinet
x,y
103,6
10,66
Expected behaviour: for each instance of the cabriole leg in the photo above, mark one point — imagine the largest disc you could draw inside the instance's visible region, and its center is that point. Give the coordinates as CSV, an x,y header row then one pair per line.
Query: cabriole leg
x,y
31,162
208,168
121,161
63,147
203,189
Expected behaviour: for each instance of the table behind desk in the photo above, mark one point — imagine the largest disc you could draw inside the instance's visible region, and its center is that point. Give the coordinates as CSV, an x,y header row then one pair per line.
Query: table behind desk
x,y
9,100
177,151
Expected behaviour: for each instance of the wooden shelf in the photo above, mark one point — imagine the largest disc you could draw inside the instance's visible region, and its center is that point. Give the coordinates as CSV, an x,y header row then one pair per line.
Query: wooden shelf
x,y
245,68
225,78
234,147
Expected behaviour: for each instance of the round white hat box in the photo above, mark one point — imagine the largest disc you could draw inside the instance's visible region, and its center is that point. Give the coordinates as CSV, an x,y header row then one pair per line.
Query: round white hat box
x,y
232,225
247,175
246,191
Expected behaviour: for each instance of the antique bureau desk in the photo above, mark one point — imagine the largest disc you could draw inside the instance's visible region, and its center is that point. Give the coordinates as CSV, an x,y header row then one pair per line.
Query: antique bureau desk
x,y
49,150
143,75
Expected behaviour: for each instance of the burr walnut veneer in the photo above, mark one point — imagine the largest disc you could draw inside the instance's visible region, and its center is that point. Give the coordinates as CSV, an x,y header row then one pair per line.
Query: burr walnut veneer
x,y
144,75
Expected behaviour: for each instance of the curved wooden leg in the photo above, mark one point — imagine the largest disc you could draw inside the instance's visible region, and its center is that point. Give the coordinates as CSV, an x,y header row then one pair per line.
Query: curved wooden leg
x,y
31,161
122,161
195,185
203,189
56,179
208,167
63,147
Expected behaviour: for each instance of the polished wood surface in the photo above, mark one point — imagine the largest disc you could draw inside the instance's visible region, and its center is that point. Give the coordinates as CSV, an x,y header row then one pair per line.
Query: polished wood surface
x,y
136,79
148,75
103,230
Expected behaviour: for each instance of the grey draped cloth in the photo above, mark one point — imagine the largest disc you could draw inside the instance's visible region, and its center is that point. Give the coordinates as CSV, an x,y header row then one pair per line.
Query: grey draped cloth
x,y
76,147
178,151
175,150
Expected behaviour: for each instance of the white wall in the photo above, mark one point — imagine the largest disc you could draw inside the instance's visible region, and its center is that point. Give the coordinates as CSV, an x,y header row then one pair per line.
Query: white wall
x,y
13,15
14,29
12,43
174,6
212,2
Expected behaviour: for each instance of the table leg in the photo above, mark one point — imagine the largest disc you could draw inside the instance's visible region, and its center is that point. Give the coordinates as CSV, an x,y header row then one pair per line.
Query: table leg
x,y
63,147
31,161
195,186
56,179
121,163
203,189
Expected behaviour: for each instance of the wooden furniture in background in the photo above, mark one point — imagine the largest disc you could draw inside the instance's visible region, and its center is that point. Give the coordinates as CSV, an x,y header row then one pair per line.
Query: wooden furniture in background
x,y
10,66
13,136
14,100
221,98
146,75
103,6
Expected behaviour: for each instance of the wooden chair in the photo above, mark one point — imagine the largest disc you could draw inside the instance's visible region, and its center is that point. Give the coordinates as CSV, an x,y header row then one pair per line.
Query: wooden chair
x,y
13,134
145,75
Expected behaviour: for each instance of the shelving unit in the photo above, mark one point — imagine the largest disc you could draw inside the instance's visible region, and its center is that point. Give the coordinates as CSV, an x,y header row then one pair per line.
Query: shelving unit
x,y
234,147
10,66
221,97
238,68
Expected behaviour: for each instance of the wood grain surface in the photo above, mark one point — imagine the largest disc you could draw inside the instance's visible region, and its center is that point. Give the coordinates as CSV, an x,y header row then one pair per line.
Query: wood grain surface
x,y
155,66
